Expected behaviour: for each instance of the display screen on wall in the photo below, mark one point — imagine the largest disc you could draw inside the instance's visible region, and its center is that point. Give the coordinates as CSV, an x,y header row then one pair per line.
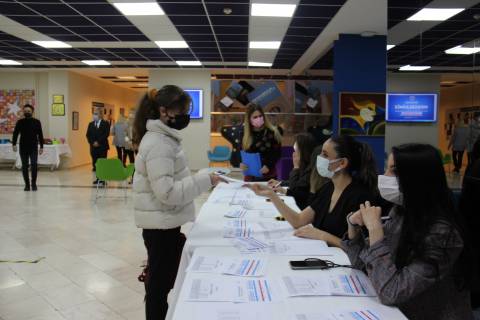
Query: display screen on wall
x,y
11,103
196,108
411,107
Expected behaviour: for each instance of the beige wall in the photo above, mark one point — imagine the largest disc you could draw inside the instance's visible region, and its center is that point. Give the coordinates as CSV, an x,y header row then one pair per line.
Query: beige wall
x,y
82,91
196,137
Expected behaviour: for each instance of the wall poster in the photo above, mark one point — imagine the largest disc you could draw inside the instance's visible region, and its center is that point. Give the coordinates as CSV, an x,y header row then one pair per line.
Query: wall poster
x,y
11,103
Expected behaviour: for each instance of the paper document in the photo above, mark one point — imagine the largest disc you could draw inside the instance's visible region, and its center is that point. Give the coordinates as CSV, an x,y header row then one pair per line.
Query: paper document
x,y
301,247
355,283
306,286
238,228
367,314
237,266
236,213
230,289
250,245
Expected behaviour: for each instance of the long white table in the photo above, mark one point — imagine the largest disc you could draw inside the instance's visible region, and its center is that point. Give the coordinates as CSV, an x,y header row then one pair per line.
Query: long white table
x,y
206,238
50,157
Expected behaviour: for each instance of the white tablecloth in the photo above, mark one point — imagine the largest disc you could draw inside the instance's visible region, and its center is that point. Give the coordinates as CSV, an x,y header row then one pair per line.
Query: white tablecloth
x,y
50,157
206,236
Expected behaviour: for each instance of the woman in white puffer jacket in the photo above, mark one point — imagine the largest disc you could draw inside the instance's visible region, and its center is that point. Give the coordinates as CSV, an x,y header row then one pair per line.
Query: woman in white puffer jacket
x,y
164,189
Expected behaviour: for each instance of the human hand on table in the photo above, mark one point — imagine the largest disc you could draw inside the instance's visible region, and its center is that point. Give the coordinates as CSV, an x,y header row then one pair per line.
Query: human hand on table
x,y
261,190
371,217
264,170
280,190
311,232
216,179
272,183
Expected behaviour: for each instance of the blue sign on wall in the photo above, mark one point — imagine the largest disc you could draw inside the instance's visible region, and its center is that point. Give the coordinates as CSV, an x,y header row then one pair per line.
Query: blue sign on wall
x,y
196,108
411,107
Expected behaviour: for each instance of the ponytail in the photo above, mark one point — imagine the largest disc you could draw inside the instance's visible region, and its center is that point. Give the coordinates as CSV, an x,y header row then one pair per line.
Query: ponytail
x,y
171,97
361,166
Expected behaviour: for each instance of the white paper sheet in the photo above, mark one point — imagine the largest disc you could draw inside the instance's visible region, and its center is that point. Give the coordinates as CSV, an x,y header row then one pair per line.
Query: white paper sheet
x,y
354,283
366,314
301,247
237,266
230,289
298,286
250,245
237,213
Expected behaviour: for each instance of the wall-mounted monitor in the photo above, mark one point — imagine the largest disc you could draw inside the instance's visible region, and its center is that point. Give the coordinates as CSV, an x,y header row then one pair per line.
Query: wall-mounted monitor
x,y
196,108
411,107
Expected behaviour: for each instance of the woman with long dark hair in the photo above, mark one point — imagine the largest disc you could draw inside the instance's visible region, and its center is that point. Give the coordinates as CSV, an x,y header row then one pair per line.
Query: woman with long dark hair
x,y
298,182
164,189
416,260
350,166
260,136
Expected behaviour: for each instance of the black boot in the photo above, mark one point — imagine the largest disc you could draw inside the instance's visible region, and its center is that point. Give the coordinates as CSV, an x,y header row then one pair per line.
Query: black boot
x,y
27,188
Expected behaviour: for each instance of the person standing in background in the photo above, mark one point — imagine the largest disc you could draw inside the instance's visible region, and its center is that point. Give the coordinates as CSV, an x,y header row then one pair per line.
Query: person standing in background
x,y
119,130
473,134
97,136
458,144
31,135
129,146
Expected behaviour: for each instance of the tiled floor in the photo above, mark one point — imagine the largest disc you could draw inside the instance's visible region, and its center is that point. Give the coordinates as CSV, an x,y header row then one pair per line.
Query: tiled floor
x,y
92,252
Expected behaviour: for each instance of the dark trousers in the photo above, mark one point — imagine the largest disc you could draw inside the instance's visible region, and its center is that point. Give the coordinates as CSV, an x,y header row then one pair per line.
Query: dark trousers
x,y
457,159
121,154
130,154
97,153
32,155
164,248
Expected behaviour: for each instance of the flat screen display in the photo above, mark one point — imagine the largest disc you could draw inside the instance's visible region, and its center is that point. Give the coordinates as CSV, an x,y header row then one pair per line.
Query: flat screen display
x,y
411,107
196,108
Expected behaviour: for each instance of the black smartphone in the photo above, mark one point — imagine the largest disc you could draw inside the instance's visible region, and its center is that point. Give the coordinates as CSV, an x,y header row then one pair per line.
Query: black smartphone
x,y
308,264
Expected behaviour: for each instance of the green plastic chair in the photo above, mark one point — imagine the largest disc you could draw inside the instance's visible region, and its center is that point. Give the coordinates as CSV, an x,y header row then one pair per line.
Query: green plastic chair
x,y
113,170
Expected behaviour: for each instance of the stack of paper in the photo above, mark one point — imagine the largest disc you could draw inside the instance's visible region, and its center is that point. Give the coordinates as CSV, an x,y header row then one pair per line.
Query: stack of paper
x,y
237,266
250,245
236,213
355,283
237,229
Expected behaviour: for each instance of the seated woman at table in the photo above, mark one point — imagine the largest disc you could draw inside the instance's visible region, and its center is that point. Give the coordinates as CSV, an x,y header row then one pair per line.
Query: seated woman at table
x,y
299,179
351,167
260,136
417,259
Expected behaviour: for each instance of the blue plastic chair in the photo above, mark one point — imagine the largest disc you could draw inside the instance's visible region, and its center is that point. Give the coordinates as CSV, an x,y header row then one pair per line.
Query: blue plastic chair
x,y
219,154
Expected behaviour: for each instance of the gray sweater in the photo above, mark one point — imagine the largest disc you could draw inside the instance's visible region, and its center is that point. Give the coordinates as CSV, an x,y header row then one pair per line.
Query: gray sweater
x,y
417,289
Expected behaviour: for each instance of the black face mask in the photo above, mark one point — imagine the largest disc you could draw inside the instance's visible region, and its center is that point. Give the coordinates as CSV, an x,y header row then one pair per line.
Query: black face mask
x,y
27,115
181,121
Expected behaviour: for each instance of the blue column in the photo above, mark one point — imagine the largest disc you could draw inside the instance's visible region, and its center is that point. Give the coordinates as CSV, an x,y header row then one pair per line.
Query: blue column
x,y
360,65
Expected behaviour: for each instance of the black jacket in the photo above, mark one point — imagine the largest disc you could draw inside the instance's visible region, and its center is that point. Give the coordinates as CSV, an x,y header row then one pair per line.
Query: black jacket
x,y
99,134
30,130
299,187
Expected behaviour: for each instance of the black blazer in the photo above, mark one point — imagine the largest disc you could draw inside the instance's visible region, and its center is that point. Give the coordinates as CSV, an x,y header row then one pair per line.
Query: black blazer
x,y
99,134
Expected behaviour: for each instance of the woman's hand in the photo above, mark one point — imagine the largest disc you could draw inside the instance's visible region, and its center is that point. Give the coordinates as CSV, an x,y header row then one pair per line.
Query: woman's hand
x,y
243,167
311,232
272,183
371,216
215,179
264,170
356,218
261,190
280,190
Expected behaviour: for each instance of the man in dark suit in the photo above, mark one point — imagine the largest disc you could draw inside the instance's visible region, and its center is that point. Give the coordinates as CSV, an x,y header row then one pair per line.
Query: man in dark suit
x,y
97,136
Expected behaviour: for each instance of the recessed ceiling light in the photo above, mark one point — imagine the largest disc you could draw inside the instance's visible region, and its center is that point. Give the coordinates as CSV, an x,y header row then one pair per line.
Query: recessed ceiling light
x,y
259,64
127,77
188,63
435,14
96,62
171,44
52,44
6,62
413,68
462,50
390,46
273,10
139,8
265,44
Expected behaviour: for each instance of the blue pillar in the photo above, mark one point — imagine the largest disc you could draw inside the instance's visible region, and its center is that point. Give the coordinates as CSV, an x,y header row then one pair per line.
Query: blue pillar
x,y
360,65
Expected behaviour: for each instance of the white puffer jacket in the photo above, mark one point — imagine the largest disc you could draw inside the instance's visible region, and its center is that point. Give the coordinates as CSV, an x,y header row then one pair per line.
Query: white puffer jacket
x,y
163,187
